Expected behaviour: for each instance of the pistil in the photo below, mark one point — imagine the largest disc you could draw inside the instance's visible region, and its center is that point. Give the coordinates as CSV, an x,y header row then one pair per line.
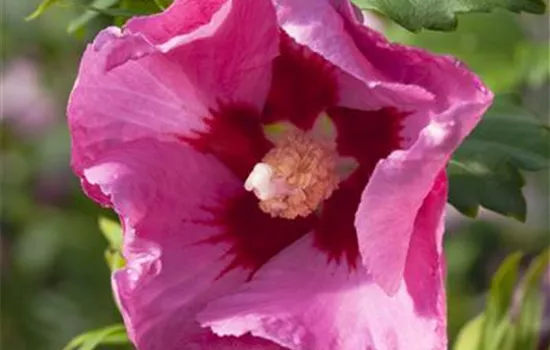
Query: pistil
x,y
295,176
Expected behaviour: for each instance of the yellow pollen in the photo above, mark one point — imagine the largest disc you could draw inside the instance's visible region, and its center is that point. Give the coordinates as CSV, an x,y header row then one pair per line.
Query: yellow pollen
x,y
295,176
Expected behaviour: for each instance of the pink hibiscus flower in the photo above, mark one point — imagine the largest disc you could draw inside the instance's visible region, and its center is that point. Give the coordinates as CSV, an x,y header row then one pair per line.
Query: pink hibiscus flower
x,y
237,237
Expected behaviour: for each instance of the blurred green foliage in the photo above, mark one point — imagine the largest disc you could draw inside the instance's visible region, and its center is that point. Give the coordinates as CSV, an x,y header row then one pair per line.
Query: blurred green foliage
x,y
55,284
441,15
514,312
111,335
494,46
113,233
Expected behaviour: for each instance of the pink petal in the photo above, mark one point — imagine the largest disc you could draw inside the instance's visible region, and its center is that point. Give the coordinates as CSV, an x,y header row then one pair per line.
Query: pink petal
x,y
442,100
301,301
319,26
138,115
400,182
235,136
129,87
182,17
206,340
224,60
424,269
335,232
166,195
151,97
187,239
303,86
367,136
233,65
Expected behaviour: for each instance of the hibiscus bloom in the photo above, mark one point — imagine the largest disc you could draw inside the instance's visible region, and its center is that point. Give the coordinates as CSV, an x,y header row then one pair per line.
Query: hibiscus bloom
x,y
246,226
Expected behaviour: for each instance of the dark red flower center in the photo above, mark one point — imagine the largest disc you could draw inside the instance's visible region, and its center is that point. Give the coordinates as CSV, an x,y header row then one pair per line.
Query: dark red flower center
x,y
304,86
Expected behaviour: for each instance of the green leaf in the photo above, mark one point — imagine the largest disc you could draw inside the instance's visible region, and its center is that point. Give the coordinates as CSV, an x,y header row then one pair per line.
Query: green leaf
x,y
117,12
532,303
485,170
93,10
496,323
129,8
163,4
511,320
111,335
114,259
469,337
503,337
113,233
442,14
42,7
